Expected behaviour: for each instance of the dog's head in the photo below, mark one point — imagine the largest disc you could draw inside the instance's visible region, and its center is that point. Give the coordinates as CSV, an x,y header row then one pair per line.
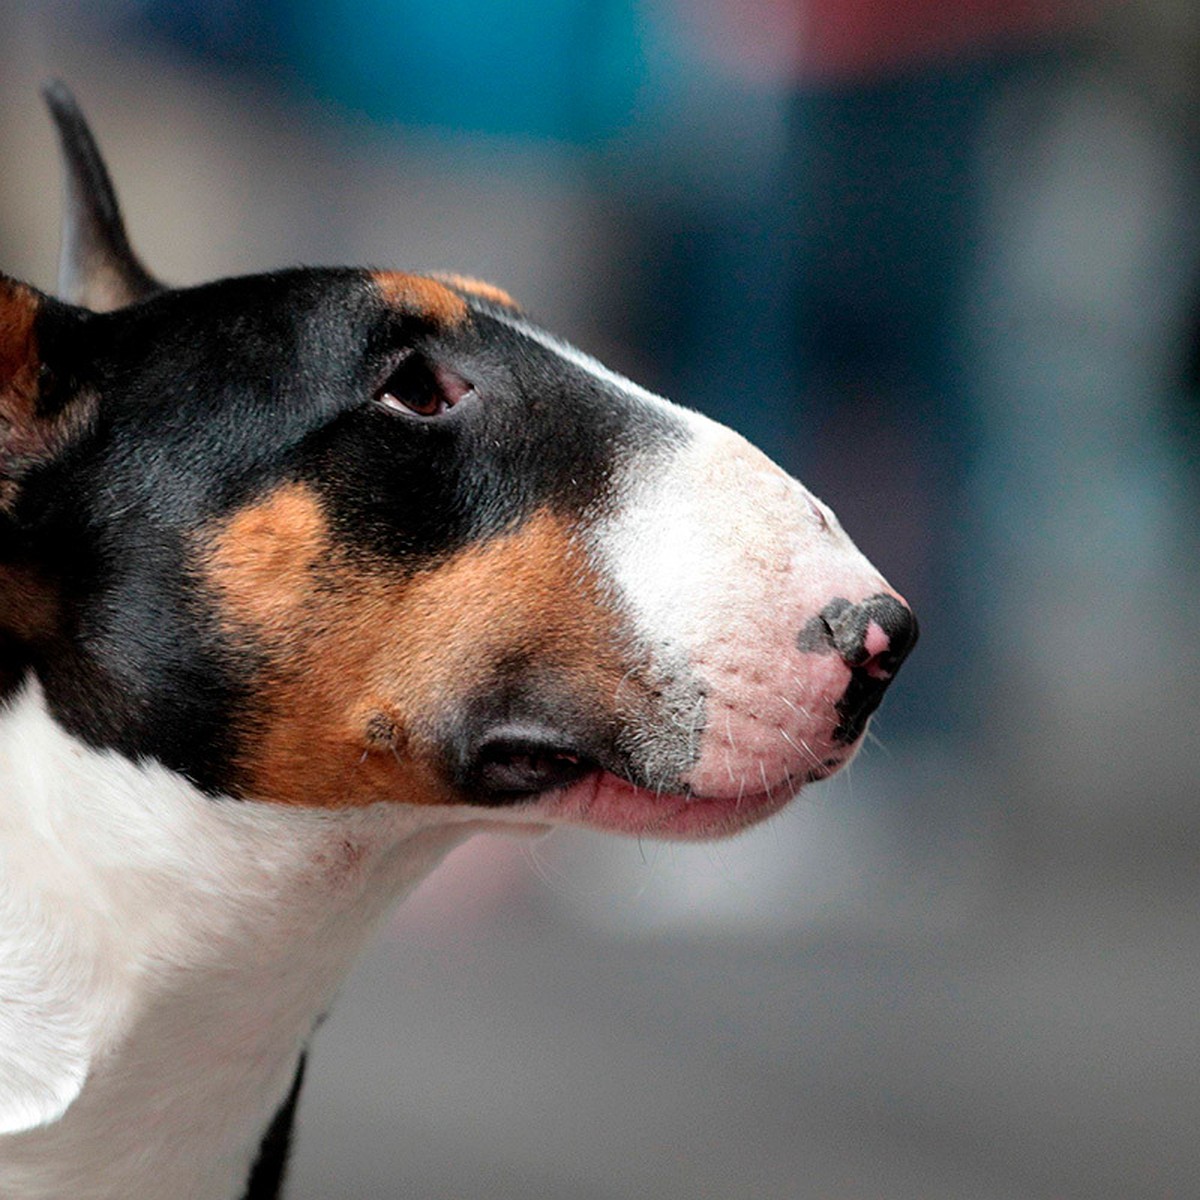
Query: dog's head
x,y
339,537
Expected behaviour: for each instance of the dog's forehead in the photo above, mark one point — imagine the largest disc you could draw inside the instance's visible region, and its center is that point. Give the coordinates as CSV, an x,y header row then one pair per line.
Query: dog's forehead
x,y
317,311
311,323
301,346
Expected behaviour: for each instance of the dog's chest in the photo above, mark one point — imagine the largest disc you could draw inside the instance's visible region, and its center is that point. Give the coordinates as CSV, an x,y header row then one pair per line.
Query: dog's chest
x,y
171,953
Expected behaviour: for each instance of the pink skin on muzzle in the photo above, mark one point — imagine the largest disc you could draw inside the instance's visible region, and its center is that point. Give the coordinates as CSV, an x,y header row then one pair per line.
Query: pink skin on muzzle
x,y
721,560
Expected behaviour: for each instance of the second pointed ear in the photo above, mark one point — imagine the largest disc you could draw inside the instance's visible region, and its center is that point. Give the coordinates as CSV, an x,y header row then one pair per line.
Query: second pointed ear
x,y
97,266
42,411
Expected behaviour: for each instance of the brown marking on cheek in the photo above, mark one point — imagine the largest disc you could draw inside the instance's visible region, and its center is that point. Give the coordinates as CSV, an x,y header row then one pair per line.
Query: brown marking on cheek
x,y
362,666
30,609
421,296
21,434
18,346
478,287
29,435
262,561
29,606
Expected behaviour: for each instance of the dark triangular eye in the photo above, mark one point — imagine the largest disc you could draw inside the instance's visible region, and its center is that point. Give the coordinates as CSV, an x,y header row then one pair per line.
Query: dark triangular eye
x,y
419,388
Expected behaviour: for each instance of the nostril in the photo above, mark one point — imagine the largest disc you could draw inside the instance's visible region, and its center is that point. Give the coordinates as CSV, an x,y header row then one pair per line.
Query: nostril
x,y
877,652
890,634
872,638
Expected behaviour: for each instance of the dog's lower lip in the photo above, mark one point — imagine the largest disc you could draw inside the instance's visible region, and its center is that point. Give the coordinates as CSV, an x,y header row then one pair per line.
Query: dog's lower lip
x,y
601,800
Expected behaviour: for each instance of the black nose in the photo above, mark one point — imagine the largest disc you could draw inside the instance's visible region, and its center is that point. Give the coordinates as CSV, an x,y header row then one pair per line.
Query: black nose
x,y
873,638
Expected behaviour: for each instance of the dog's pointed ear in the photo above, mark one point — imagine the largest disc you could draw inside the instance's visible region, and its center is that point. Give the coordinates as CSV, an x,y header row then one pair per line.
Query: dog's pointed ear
x,y
97,267
48,1033
42,407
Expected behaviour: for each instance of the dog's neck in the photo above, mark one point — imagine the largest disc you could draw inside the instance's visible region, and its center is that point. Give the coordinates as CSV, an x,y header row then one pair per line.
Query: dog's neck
x,y
163,958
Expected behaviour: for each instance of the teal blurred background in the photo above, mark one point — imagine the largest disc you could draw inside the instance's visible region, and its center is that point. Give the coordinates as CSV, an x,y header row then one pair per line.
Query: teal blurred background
x,y
940,259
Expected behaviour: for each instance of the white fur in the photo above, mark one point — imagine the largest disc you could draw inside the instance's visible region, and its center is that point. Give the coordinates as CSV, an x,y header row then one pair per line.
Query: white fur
x,y
164,955
719,559
163,958
716,535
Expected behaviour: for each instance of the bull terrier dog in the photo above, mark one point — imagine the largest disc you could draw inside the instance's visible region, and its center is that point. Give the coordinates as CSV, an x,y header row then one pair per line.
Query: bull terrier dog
x,y
305,577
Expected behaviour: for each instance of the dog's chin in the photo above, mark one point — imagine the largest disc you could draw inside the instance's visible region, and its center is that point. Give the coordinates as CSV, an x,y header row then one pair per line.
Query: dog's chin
x,y
527,774
607,802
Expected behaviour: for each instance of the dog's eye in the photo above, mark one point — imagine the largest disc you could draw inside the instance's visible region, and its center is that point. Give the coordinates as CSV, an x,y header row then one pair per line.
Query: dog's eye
x,y
419,388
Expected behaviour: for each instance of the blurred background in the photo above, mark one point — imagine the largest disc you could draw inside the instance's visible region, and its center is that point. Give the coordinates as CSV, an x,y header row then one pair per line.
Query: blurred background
x,y
941,258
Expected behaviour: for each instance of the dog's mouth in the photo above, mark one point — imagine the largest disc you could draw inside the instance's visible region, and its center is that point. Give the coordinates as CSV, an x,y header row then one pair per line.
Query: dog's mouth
x,y
605,801
517,763
526,771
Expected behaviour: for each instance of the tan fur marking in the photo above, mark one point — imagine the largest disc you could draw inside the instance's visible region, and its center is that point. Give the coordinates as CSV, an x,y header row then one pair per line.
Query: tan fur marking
x,y
266,554
360,665
18,384
18,347
477,287
421,295
26,437
29,607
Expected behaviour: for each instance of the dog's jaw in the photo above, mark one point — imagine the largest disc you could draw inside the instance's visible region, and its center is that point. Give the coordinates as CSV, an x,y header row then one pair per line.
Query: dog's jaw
x,y
185,948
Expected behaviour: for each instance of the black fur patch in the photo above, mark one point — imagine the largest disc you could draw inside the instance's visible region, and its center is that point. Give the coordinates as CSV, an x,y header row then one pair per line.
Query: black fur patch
x,y
270,1167
212,396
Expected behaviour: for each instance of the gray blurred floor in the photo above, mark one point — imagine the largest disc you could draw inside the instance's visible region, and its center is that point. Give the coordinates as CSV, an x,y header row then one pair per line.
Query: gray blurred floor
x,y
1045,1048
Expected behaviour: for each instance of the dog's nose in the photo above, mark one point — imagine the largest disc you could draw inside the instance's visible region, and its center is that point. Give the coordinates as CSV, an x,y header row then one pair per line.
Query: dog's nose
x,y
875,636
872,638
